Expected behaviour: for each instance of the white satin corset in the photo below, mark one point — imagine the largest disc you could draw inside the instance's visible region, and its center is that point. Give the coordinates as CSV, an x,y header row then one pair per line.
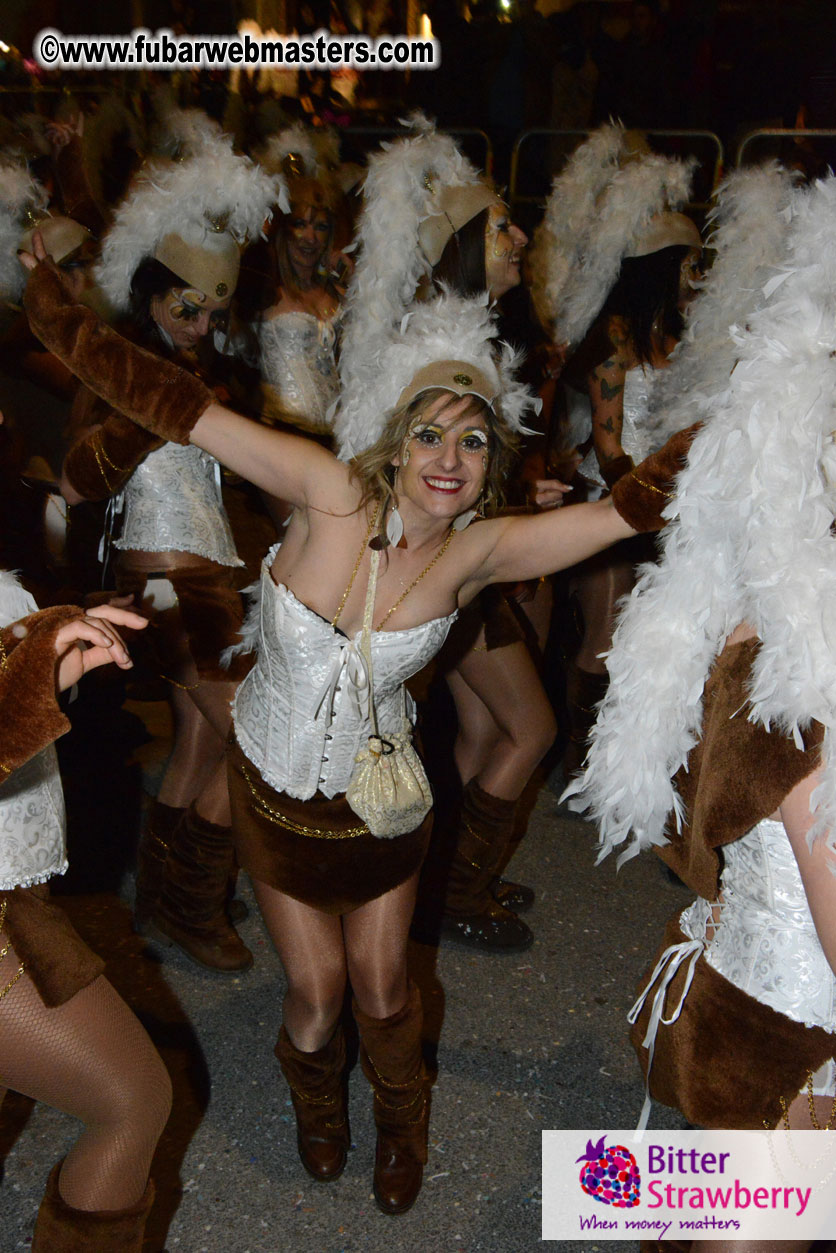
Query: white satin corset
x,y
299,369
302,713
765,941
172,502
32,818
638,384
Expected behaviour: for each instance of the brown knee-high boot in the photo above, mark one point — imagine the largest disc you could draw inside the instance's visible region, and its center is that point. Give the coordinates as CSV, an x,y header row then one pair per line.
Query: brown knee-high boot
x,y
159,827
584,693
472,916
391,1057
62,1229
317,1089
192,909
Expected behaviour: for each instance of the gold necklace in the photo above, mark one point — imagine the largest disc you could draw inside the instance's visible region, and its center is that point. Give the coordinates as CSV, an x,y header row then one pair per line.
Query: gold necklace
x,y
442,550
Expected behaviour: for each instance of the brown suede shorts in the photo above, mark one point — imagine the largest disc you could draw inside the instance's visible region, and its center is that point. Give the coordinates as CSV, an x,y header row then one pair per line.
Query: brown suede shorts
x,y
335,867
491,611
209,612
727,1060
53,954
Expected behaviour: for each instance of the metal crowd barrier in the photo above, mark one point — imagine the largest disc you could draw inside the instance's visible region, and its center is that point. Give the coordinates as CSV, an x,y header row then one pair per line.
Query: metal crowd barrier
x,y
796,136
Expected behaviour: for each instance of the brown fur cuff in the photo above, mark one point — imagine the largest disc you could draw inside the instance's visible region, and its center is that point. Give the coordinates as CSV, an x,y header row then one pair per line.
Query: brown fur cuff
x,y
102,461
29,712
642,494
616,469
159,395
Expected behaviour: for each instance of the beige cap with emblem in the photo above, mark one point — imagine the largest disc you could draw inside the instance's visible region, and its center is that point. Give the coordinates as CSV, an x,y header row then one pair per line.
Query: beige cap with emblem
x,y
211,266
61,237
457,205
460,377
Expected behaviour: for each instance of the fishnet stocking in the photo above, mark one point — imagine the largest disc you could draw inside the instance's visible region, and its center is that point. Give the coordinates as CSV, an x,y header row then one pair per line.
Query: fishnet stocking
x,y
92,1059
320,951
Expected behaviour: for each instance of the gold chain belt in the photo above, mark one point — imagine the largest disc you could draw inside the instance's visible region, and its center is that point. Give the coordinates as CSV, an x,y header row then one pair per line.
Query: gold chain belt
x,y
281,820
4,953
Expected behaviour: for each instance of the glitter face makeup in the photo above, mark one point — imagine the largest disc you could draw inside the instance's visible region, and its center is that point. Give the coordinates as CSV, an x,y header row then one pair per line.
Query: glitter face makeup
x,y
504,243
186,315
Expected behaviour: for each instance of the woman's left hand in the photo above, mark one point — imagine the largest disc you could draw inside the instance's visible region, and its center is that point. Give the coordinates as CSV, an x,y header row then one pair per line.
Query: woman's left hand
x,y
86,643
548,493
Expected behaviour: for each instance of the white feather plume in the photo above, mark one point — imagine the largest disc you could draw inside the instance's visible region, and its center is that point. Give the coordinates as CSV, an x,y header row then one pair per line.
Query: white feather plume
x,y
182,133
750,540
443,328
399,193
184,198
748,236
570,212
636,193
19,195
298,139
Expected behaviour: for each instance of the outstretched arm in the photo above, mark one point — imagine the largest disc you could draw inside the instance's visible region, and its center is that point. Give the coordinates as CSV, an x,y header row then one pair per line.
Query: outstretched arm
x,y
170,402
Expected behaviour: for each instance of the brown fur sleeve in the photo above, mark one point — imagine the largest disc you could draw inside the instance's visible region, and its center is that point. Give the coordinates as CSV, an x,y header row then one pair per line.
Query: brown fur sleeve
x,y
30,717
101,461
642,493
157,394
738,774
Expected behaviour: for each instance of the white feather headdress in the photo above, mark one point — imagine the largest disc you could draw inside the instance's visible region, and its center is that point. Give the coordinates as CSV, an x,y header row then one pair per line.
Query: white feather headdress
x,y
610,194
446,327
182,133
749,223
317,151
401,189
750,540
20,197
191,199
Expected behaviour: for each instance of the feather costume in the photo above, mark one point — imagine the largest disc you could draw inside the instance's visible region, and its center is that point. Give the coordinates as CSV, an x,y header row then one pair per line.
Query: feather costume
x,y
212,194
750,540
388,336
598,208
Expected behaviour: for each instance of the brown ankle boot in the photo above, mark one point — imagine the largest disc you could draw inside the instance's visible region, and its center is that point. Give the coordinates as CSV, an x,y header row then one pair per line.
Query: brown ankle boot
x,y
317,1090
158,830
192,910
584,692
390,1054
62,1229
472,914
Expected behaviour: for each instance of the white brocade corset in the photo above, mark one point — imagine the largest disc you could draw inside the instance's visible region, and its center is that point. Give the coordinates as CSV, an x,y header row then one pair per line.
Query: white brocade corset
x,y
765,941
172,502
638,384
301,714
32,818
299,369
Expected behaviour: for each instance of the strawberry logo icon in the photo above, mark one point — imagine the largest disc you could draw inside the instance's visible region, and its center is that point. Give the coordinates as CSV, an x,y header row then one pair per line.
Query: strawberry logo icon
x,y
610,1175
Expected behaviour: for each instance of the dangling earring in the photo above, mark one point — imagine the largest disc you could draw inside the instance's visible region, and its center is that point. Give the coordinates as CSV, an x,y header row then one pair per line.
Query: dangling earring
x,y
464,519
394,526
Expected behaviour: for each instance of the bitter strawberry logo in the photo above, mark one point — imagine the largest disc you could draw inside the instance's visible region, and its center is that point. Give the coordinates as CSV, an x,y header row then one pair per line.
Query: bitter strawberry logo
x,y
610,1175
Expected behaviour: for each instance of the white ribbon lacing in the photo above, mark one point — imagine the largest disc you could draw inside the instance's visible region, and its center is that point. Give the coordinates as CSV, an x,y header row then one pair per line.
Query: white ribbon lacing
x,y
666,968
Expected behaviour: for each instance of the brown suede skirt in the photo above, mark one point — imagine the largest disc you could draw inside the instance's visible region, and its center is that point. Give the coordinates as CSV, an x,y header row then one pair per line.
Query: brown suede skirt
x,y
727,1060
53,954
209,613
318,850
490,611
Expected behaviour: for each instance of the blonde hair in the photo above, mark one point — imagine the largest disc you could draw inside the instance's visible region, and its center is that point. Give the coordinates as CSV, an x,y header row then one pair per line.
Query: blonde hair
x,y
375,474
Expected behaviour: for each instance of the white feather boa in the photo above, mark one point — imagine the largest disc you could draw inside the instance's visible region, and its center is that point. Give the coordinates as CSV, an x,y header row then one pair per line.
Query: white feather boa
x,y
749,235
185,198
750,540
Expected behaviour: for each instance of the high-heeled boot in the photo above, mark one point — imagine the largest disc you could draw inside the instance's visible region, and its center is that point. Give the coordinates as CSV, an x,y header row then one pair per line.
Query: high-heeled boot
x,y
192,910
390,1054
160,824
62,1229
472,915
317,1090
584,692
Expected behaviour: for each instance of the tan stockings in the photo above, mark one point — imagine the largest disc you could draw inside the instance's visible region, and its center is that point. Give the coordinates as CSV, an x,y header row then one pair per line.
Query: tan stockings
x,y
320,952
92,1059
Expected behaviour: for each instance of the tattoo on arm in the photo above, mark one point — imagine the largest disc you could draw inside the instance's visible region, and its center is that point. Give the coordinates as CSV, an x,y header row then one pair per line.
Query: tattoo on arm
x,y
608,391
608,426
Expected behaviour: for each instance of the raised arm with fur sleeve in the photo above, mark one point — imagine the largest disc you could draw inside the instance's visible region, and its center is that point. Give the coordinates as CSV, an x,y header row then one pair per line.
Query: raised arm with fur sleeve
x,y
643,492
29,712
102,460
155,393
